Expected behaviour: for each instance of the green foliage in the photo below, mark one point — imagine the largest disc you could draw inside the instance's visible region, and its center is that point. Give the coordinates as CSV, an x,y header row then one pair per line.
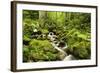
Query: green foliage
x,y
30,14
40,43
27,30
44,30
26,38
26,54
40,50
79,44
81,50
74,28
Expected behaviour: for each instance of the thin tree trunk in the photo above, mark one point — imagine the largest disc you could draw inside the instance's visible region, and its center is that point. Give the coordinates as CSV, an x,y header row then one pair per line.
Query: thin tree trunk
x,y
42,17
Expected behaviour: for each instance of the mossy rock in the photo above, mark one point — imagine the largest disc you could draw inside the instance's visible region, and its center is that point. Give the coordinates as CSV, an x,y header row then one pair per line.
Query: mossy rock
x,y
42,50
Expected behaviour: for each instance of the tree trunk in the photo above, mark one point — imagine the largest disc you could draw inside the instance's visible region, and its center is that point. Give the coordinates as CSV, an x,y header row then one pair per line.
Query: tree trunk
x,y
42,17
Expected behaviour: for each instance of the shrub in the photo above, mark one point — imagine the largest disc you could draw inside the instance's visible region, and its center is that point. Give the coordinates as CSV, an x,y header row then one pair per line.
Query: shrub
x,y
40,50
26,55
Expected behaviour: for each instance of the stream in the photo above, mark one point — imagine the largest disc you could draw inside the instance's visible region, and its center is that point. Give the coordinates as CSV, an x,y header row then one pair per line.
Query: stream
x,y
67,57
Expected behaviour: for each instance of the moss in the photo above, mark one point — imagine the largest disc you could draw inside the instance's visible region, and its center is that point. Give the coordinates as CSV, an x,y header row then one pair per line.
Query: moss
x,y
41,50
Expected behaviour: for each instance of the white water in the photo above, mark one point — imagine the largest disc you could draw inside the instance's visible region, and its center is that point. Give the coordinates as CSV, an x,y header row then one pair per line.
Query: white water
x,y
60,50
67,57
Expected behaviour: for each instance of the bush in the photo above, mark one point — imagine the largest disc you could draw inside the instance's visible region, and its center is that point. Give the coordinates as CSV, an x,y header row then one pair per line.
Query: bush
x,y
40,50
26,54
26,40
81,50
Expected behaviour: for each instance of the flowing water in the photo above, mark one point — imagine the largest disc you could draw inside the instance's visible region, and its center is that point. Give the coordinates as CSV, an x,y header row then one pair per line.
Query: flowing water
x,y
67,57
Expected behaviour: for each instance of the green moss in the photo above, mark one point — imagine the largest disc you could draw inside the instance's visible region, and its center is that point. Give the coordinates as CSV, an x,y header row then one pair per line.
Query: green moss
x,y
73,28
41,50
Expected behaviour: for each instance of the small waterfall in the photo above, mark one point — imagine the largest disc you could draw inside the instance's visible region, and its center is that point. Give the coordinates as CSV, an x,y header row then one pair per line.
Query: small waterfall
x,y
65,56
60,50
